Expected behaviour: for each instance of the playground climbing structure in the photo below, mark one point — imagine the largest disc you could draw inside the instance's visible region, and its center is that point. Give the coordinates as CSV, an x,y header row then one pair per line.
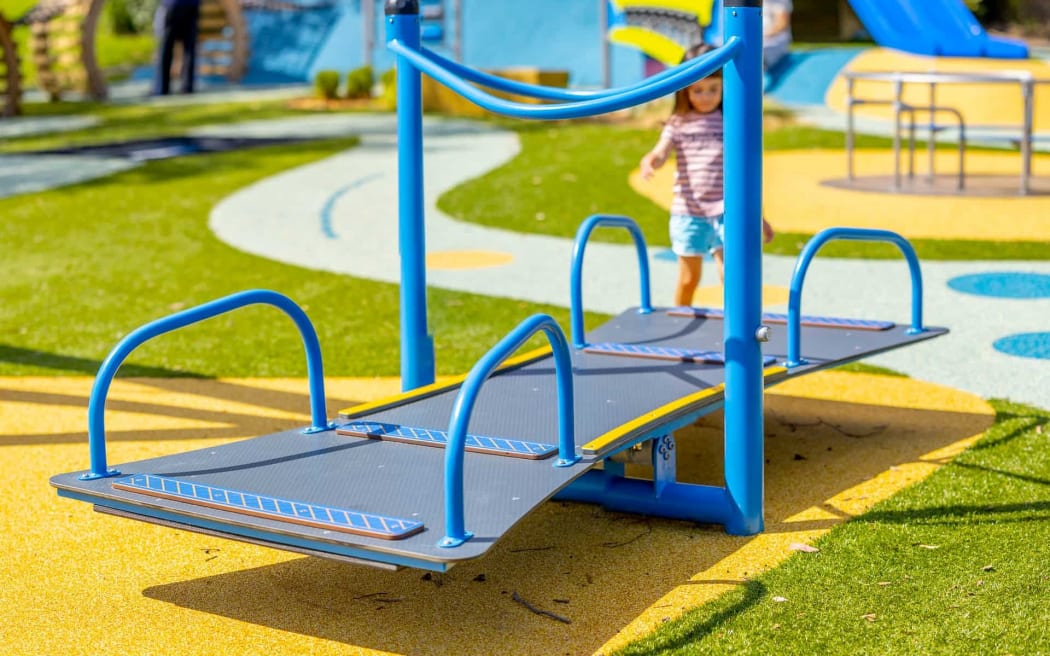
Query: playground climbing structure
x,y
10,72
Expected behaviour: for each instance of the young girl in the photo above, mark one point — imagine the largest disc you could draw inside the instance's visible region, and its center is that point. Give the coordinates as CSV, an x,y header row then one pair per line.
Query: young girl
x,y
694,133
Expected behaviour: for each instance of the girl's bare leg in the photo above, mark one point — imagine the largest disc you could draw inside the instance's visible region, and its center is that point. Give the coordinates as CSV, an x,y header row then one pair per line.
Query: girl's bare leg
x,y
689,269
718,255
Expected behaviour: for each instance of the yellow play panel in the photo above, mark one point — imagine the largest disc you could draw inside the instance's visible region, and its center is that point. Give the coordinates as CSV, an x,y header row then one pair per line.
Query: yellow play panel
x,y
980,103
795,200
77,582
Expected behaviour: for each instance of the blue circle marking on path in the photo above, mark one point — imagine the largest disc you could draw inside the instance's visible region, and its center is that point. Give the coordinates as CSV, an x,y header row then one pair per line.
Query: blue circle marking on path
x,y
1004,284
1025,345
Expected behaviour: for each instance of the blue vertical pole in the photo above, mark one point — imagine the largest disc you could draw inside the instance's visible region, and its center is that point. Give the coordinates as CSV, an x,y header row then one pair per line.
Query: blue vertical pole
x,y
744,457
417,347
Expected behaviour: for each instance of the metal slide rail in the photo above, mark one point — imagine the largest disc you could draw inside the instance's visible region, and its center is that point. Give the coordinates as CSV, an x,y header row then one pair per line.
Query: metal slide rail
x,y
794,358
934,128
455,530
116,357
900,80
580,246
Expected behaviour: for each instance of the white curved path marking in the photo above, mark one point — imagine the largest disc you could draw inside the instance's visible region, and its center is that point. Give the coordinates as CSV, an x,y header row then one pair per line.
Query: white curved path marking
x,y
292,217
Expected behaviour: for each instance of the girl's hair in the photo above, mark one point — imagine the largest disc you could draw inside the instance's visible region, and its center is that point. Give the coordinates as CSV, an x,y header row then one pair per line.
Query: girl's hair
x,y
681,97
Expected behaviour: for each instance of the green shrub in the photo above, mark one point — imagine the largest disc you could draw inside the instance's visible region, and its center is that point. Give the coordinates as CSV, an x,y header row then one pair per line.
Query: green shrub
x,y
326,83
359,82
119,18
131,16
389,80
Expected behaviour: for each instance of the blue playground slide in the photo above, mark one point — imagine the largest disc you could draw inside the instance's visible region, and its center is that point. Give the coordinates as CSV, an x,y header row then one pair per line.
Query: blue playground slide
x,y
944,28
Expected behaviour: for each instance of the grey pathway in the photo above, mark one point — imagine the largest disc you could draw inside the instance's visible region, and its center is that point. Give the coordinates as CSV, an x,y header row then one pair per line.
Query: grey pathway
x,y
26,126
339,215
23,174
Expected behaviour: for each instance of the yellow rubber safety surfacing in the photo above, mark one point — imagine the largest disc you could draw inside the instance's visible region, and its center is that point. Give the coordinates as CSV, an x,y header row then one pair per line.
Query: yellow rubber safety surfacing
x,y
615,577
459,260
796,200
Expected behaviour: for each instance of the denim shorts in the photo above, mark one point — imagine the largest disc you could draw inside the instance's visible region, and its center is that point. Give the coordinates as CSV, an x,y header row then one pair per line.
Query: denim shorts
x,y
696,235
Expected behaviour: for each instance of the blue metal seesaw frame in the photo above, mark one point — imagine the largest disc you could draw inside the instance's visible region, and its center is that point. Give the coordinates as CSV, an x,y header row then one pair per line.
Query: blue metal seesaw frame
x,y
322,491
740,59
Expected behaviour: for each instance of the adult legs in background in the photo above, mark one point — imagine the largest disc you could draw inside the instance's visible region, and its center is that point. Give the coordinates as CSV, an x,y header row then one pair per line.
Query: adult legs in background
x,y
162,28
188,25
173,25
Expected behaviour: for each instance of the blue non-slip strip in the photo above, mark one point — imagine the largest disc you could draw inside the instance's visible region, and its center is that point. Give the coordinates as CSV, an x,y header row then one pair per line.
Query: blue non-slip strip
x,y
774,317
430,437
338,519
663,353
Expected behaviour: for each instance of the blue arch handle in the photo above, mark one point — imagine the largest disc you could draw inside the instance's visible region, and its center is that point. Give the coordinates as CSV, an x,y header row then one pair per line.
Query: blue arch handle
x,y
583,233
680,76
455,530
116,357
535,90
794,358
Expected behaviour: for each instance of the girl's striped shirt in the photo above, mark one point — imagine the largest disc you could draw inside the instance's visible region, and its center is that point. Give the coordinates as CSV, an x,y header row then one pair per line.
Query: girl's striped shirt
x,y
698,146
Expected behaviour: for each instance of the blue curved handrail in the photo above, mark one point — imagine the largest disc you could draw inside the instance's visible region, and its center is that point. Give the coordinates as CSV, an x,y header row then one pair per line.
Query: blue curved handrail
x,y
116,357
580,246
794,358
503,84
455,531
682,76
535,90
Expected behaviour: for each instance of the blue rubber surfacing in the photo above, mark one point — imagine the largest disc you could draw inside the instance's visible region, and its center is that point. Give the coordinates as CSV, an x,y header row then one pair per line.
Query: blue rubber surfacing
x,y
1025,345
1016,285
1003,284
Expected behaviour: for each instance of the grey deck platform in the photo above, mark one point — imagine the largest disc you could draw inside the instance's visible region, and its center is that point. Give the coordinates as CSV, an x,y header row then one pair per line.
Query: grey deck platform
x,y
406,480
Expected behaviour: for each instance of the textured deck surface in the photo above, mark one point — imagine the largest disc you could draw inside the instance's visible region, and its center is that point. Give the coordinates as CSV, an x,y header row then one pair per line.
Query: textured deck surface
x,y
406,481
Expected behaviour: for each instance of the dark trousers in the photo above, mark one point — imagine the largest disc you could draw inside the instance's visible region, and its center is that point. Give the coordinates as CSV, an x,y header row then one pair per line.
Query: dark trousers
x,y
176,24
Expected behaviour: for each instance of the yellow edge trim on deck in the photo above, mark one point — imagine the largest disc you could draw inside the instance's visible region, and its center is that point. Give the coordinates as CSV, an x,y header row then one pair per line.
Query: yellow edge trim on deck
x,y
437,388
771,375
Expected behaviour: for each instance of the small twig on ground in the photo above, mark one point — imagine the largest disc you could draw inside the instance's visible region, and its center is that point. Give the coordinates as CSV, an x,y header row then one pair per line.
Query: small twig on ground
x,y
793,427
378,596
615,545
539,611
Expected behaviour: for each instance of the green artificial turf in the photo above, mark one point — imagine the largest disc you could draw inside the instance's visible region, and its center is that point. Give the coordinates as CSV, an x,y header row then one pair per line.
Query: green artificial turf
x,y
566,172
956,564
85,265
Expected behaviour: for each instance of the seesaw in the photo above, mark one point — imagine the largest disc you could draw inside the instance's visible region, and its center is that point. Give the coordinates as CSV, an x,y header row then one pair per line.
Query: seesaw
x,y
439,473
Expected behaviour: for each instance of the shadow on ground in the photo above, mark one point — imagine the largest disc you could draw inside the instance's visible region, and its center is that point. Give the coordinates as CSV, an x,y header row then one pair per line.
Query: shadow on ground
x,y
590,571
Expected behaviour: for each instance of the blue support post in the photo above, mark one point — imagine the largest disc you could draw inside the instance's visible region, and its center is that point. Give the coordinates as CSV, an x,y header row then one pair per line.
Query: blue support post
x,y
417,346
744,448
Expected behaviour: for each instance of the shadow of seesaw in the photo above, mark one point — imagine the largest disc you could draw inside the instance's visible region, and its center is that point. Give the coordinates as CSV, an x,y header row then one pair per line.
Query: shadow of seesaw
x,y
574,578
